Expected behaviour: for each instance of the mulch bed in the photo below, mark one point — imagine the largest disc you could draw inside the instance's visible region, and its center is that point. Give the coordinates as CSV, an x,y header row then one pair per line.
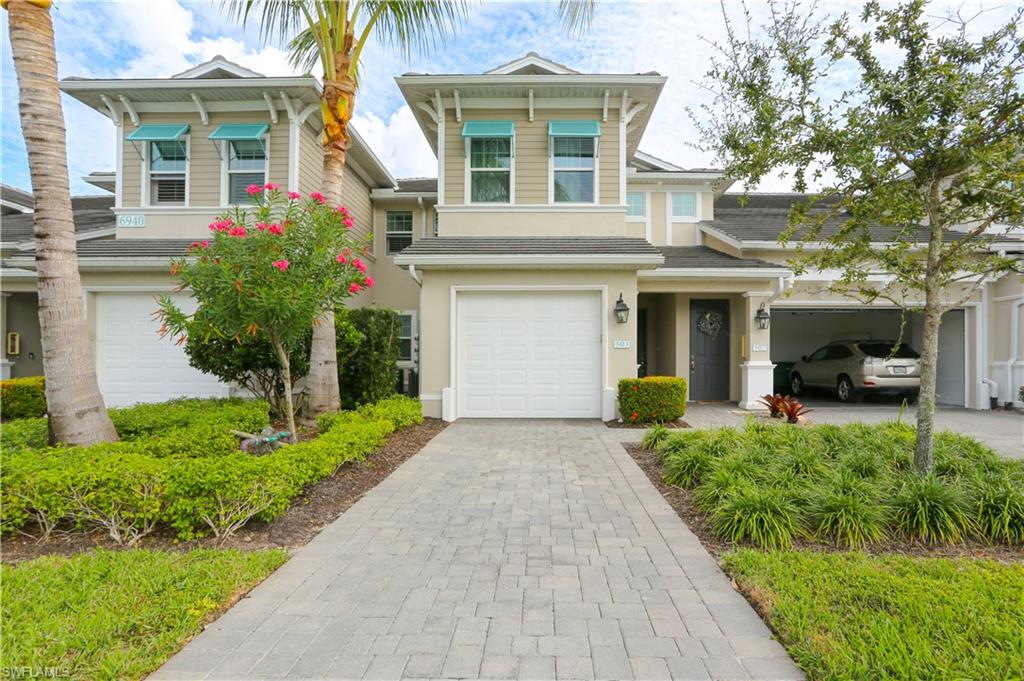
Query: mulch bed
x,y
678,423
682,500
321,504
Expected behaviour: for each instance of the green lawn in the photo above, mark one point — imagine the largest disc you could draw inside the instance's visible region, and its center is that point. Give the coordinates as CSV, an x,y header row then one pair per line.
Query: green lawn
x,y
855,616
118,614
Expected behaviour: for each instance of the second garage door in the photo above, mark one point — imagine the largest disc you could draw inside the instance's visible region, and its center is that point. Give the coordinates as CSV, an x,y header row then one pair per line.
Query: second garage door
x,y
134,364
529,354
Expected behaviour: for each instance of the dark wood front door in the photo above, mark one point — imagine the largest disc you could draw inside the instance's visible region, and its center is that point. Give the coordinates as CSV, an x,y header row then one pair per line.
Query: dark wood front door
x,y
641,343
709,349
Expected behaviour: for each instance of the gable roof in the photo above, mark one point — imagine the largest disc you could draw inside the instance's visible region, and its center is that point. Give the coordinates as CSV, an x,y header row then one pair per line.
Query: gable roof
x,y
14,201
531,64
218,67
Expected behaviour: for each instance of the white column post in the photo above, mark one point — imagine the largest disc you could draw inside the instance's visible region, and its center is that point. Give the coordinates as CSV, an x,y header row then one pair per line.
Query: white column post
x,y
756,369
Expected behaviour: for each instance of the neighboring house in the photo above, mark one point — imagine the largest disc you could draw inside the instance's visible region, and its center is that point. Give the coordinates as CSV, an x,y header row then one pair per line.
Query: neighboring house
x,y
508,266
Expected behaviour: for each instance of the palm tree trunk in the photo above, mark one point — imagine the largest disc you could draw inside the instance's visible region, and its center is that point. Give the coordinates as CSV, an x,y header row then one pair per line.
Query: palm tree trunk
x,y
337,105
75,405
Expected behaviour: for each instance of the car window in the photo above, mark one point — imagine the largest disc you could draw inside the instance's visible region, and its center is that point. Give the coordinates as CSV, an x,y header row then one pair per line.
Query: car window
x,y
818,354
838,352
885,349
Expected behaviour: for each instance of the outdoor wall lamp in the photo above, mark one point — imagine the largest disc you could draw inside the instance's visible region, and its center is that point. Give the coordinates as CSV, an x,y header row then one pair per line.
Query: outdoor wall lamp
x,y
621,311
762,318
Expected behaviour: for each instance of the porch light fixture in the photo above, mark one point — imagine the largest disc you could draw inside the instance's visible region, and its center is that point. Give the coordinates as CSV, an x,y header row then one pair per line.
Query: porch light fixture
x,y
762,318
621,311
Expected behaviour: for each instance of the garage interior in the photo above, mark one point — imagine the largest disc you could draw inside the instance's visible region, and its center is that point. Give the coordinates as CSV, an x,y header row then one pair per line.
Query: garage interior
x,y
800,331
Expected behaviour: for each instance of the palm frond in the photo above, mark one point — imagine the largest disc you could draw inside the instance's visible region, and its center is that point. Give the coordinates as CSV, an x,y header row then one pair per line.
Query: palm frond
x,y
409,26
576,15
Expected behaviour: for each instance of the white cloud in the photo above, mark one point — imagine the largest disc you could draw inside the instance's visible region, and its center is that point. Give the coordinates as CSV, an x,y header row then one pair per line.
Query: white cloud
x,y
398,142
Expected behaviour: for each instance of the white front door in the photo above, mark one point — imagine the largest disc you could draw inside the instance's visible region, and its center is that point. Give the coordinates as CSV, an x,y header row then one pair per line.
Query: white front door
x,y
134,364
527,354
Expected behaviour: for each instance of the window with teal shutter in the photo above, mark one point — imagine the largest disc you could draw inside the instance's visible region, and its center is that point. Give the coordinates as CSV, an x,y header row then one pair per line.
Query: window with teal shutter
x,y
247,165
573,173
490,169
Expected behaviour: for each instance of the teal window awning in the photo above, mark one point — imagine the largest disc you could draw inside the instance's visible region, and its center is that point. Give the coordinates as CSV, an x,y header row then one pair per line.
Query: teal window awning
x,y
488,129
158,133
574,129
239,131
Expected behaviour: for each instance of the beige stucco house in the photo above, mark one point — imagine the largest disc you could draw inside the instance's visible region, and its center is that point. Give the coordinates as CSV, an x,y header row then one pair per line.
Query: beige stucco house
x,y
507,267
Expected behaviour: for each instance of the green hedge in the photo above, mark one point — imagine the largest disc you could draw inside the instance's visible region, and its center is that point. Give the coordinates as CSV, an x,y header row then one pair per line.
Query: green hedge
x,y
23,398
135,487
652,399
845,485
368,349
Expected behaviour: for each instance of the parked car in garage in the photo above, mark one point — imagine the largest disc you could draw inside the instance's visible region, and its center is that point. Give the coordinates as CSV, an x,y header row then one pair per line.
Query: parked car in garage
x,y
855,367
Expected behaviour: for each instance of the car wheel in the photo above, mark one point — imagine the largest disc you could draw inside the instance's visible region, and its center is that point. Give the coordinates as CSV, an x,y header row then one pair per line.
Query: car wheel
x,y
911,396
796,385
845,390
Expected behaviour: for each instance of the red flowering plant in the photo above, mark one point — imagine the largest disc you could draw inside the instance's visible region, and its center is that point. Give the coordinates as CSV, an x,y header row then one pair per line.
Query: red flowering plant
x,y
270,270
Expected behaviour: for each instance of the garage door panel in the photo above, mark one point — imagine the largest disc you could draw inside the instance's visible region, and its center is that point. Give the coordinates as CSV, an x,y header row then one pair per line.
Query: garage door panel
x,y
543,357
134,364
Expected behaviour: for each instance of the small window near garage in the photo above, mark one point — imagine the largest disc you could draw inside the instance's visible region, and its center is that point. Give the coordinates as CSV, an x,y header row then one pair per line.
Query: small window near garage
x,y
684,205
397,230
636,204
167,167
247,165
490,169
573,168
407,330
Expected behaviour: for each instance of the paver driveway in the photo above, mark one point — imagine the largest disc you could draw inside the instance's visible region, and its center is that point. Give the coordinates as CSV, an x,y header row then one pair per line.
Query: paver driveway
x,y
505,549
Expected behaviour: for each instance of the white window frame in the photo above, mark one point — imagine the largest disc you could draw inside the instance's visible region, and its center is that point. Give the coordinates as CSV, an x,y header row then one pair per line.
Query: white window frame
x,y
225,152
410,234
646,219
596,171
468,172
697,201
643,216
413,351
146,199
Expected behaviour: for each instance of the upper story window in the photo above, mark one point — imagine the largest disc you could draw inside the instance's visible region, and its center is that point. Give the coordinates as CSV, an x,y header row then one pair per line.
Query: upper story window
x,y
490,171
168,164
244,159
397,230
684,205
574,161
247,165
164,151
636,204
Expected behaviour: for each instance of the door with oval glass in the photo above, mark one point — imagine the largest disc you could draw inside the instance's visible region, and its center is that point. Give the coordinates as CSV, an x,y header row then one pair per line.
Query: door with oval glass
x,y
709,349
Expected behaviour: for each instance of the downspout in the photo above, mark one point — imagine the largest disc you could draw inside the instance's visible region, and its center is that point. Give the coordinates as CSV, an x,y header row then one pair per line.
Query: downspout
x,y
1014,348
783,284
415,275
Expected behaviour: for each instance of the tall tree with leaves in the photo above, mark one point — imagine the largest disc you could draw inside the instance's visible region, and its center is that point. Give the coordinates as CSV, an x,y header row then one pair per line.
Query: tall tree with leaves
x,y
333,34
915,134
77,415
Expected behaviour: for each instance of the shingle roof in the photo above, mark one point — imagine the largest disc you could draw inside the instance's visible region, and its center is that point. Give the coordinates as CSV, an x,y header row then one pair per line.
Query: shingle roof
x,y
133,248
417,184
90,213
704,257
765,217
16,196
574,245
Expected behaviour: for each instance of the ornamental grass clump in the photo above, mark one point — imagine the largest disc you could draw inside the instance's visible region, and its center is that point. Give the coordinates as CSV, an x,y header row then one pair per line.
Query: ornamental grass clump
x,y
998,504
762,516
269,272
848,510
930,510
654,437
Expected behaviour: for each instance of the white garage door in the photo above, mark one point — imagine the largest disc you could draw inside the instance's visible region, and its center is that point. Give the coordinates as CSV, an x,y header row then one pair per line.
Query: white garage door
x,y
134,364
529,355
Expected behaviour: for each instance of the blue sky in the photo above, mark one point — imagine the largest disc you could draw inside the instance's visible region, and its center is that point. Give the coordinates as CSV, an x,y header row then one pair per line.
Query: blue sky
x,y
157,38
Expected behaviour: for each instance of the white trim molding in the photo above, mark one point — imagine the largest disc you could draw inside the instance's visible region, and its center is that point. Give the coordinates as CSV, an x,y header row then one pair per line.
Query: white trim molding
x,y
522,261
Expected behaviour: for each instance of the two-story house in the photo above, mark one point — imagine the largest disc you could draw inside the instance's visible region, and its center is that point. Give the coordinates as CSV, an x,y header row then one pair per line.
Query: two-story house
x,y
547,259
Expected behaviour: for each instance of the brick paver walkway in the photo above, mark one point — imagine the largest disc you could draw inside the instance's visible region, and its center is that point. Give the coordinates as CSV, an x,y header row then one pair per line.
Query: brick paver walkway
x,y
505,549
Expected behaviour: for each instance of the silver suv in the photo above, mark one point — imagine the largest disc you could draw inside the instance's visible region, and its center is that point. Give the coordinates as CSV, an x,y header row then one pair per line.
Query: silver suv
x,y
852,367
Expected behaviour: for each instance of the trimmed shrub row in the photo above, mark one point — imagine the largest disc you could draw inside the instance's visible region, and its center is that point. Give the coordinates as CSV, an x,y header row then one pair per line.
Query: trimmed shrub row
x,y
130,492
847,485
652,399
23,398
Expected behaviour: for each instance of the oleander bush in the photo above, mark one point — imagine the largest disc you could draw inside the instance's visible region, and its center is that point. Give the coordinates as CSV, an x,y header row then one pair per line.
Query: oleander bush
x,y
844,485
179,468
22,398
652,399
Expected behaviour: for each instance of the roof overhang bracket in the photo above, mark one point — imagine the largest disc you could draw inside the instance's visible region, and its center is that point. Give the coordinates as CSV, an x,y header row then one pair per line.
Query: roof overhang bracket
x,y
115,116
429,109
458,107
604,110
132,113
288,107
305,113
634,111
529,95
204,115
271,107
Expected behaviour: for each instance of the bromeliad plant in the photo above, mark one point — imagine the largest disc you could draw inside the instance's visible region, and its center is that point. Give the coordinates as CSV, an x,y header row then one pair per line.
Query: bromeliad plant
x,y
269,272
774,404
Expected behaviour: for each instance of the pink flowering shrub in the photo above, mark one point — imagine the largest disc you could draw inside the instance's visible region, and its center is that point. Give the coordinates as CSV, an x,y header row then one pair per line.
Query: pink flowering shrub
x,y
269,271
